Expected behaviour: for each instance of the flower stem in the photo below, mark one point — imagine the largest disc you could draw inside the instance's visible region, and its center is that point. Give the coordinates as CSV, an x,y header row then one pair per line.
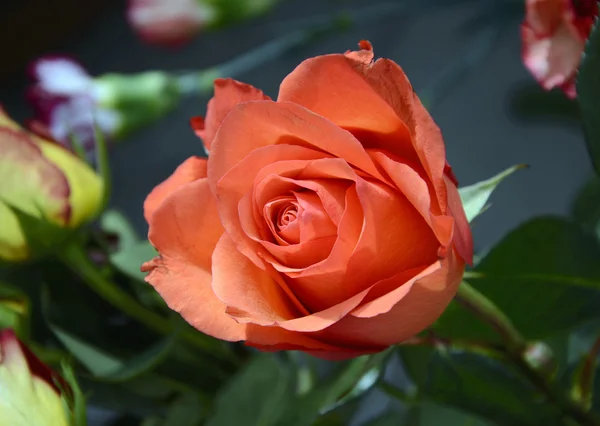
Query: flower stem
x,y
515,346
76,258
201,82
491,314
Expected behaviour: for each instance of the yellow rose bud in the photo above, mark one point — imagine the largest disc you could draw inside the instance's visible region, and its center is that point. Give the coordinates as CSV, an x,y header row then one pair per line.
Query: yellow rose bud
x,y
28,393
44,180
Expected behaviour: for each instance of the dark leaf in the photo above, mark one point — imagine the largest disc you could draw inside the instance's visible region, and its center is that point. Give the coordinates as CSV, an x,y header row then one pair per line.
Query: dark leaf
x,y
343,386
480,385
588,94
544,275
256,396
586,208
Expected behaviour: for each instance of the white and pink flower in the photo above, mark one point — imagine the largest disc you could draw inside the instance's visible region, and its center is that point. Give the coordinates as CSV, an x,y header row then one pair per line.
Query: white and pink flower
x,y
67,102
169,23
554,34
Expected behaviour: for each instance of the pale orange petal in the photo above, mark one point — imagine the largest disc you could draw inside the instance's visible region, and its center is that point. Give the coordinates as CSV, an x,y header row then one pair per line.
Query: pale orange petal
x,y
463,239
390,82
257,124
228,93
416,190
250,293
185,229
401,313
237,184
333,86
190,170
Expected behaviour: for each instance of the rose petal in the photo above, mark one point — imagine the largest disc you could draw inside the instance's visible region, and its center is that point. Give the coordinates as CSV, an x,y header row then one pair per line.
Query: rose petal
x,y
332,86
416,190
228,93
463,239
238,183
276,338
29,181
257,124
325,318
553,58
185,229
390,82
393,238
250,293
402,313
190,170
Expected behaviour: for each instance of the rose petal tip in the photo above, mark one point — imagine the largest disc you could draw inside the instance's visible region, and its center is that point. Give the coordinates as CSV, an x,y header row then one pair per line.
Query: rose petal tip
x,y
365,45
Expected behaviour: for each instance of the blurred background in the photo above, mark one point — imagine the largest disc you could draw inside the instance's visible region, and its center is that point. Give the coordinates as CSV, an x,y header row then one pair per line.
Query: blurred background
x,y
491,111
462,57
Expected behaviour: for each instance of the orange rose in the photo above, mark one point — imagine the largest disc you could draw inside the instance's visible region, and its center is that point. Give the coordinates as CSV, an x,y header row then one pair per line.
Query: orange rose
x,y
554,35
327,222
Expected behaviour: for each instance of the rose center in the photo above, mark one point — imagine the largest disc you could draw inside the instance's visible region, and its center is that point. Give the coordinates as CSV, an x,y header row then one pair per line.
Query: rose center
x,y
281,215
287,215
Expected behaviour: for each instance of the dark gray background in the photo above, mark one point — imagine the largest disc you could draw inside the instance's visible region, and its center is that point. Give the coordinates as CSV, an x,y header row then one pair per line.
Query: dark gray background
x,y
482,130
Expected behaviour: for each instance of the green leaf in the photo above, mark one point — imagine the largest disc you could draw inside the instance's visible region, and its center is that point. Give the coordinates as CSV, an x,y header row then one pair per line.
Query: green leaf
x,y
76,401
588,94
474,197
544,275
586,208
130,259
256,396
354,378
185,411
584,377
116,222
108,368
15,309
480,385
130,256
103,165
428,414
41,235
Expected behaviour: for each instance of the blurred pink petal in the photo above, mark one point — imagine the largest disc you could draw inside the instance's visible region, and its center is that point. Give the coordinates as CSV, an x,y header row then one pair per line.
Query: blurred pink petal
x,y
168,22
554,34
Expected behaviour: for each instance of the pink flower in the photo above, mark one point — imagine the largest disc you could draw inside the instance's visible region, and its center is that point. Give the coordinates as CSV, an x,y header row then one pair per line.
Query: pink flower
x,y
554,34
66,101
168,22
69,103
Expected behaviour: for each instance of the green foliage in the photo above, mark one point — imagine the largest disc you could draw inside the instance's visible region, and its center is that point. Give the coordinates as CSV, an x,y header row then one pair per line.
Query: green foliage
x,y
544,275
15,309
586,208
344,385
74,398
257,396
475,197
108,368
588,94
478,384
264,393
428,414
41,235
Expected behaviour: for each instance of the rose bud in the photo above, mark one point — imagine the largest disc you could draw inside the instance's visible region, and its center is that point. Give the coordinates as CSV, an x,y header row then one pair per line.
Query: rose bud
x,y
173,23
70,103
44,180
554,34
168,22
31,392
327,221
